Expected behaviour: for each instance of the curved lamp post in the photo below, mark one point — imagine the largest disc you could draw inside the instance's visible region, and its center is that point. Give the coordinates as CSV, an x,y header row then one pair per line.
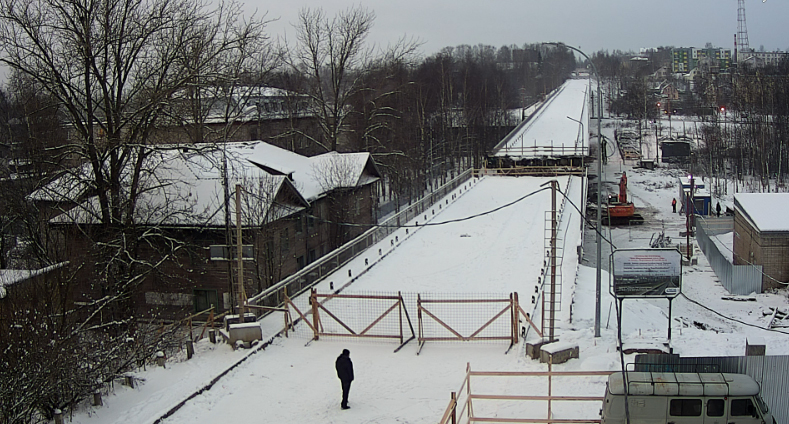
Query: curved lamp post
x,y
598,286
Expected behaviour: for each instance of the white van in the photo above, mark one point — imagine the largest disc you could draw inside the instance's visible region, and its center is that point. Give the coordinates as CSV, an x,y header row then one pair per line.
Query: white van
x,y
684,398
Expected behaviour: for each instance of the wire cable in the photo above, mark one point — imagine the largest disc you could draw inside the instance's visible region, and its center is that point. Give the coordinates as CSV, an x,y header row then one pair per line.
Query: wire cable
x,y
730,318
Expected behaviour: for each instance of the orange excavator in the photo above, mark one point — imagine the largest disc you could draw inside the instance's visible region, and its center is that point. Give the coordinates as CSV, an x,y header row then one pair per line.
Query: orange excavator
x,y
619,210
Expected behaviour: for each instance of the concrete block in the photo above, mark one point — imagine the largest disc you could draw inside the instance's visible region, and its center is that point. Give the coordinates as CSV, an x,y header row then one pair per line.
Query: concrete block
x,y
558,353
533,348
246,332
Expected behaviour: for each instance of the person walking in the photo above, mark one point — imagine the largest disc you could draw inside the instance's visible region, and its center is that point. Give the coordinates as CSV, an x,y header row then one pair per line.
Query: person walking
x,y
718,209
344,368
674,205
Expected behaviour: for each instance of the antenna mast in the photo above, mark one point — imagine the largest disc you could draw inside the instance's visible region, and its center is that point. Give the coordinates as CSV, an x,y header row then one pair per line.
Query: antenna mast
x,y
742,31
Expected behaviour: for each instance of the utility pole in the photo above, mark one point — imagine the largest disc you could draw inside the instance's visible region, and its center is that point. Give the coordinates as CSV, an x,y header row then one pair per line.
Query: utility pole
x,y
242,295
600,158
554,227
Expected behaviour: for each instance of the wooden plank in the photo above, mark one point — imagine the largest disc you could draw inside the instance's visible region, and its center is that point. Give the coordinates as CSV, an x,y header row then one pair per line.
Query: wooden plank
x,y
336,319
507,308
443,324
303,318
356,296
384,336
466,301
539,333
541,398
380,318
541,373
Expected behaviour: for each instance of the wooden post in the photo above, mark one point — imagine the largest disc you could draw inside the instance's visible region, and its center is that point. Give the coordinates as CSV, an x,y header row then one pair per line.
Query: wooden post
x,y
550,378
515,317
400,314
58,415
468,391
242,296
97,398
212,336
454,407
315,320
190,349
419,315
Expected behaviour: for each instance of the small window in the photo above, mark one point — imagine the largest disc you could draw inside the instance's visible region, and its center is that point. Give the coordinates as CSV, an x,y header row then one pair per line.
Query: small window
x,y
715,407
300,261
299,225
312,256
685,407
284,241
742,408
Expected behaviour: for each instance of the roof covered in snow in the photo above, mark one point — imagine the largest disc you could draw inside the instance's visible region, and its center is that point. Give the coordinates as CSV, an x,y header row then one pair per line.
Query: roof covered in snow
x,y
763,210
184,184
9,277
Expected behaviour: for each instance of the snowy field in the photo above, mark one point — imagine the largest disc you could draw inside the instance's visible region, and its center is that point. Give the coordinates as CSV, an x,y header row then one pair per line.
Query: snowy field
x,y
293,379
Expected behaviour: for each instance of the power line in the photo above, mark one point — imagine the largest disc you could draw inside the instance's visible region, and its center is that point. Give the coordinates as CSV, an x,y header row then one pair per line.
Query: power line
x,y
730,318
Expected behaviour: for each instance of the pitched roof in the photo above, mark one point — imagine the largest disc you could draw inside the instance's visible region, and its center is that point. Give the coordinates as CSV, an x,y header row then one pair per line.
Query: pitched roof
x,y
763,210
183,185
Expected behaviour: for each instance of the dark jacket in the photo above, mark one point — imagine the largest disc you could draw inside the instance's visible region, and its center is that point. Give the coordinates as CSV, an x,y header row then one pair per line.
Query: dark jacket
x,y
344,367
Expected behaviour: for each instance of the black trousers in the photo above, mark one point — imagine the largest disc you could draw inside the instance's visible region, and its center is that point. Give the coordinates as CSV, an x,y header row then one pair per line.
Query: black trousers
x,y
346,387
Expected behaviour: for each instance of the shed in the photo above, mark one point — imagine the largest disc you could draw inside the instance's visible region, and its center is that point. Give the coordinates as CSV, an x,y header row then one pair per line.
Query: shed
x,y
702,200
761,235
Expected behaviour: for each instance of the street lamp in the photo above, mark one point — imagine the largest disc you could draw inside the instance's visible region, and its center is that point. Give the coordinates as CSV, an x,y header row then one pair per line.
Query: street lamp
x,y
598,286
582,130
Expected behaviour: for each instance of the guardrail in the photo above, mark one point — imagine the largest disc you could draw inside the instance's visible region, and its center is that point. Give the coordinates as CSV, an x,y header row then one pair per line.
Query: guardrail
x,y
313,273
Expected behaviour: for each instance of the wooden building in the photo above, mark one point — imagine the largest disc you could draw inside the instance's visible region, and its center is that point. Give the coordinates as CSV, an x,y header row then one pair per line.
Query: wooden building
x,y
292,208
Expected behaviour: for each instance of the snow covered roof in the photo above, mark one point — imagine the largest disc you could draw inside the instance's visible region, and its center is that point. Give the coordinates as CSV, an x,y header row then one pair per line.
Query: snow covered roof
x,y
10,277
762,210
183,184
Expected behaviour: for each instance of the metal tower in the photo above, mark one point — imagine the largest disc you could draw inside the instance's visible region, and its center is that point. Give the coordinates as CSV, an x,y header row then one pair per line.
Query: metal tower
x,y
742,31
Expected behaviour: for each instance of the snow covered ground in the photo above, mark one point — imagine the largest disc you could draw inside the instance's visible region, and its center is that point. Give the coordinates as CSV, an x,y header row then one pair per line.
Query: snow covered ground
x,y
293,379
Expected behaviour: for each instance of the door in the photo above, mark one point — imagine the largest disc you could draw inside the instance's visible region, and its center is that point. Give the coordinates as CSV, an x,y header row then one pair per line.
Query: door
x,y
685,411
743,411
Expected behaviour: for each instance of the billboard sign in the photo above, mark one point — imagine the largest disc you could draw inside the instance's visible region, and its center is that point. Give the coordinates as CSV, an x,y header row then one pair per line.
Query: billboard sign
x,y
646,273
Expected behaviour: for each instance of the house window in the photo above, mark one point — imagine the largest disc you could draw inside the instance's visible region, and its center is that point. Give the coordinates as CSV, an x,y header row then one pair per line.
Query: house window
x,y
299,225
300,262
284,242
228,253
312,256
205,299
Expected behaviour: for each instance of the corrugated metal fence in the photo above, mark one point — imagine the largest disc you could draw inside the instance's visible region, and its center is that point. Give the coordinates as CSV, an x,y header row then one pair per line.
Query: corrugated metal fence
x,y
737,279
771,372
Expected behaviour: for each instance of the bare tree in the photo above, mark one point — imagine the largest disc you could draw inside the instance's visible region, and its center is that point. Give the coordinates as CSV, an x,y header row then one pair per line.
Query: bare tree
x,y
331,52
112,67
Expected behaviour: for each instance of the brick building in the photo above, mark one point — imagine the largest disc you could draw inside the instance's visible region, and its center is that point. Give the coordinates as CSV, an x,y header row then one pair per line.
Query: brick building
x,y
761,234
290,210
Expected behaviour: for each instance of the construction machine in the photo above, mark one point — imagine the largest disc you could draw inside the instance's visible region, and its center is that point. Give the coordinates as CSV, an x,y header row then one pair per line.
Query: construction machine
x,y
619,211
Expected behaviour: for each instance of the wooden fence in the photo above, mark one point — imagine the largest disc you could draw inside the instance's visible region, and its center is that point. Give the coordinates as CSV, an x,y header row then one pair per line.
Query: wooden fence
x,y
509,311
461,404
373,324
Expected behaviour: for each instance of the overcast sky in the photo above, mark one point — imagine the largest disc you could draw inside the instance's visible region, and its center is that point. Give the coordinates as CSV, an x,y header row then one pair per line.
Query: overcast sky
x,y
591,25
